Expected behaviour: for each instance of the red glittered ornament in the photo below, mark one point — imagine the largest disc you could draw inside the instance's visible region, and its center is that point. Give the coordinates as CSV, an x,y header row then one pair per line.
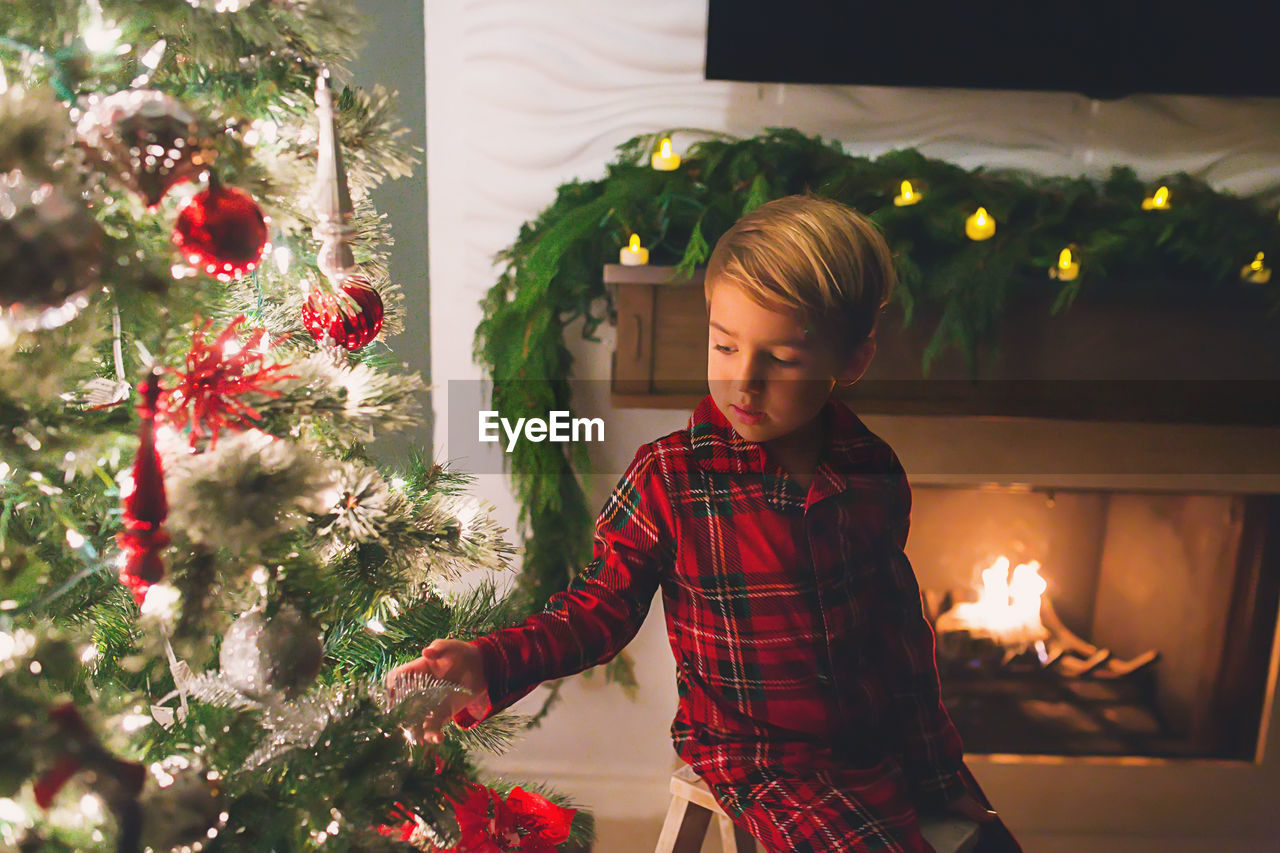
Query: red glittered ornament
x,y
222,231
348,325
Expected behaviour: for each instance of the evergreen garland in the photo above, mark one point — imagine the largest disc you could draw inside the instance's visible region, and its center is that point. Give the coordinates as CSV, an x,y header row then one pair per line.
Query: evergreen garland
x,y
1192,250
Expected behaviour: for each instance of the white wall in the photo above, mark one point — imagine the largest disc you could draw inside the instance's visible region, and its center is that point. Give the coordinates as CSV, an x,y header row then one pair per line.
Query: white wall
x,y
523,96
392,56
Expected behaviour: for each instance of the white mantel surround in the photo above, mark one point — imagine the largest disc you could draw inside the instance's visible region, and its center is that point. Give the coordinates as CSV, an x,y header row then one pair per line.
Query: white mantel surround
x,y
523,96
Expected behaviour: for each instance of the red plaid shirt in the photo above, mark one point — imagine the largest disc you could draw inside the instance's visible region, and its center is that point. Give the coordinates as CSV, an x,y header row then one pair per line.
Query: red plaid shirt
x,y
795,618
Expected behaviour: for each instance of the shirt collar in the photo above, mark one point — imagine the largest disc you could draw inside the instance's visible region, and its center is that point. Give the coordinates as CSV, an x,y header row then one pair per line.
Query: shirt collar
x,y
717,446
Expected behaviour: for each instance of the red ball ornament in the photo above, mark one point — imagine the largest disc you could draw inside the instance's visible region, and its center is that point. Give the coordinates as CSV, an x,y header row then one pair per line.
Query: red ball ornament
x,y
324,314
222,231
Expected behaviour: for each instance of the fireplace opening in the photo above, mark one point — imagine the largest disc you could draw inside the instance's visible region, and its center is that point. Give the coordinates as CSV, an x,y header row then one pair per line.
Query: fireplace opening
x,y
1101,622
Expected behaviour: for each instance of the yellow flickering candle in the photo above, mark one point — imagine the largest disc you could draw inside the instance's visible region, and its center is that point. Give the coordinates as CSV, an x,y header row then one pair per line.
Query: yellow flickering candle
x,y
980,226
1158,201
664,159
633,254
1257,272
1067,268
906,195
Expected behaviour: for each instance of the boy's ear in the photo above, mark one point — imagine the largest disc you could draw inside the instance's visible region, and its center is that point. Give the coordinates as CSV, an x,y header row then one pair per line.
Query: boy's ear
x,y
858,362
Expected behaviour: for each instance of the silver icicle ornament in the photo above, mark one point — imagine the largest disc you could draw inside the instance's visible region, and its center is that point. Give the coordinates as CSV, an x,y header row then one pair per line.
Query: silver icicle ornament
x,y
348,310
332,198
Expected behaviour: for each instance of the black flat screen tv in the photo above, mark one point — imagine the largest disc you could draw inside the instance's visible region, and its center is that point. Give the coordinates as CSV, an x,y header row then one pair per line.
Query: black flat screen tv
x,y
1099,49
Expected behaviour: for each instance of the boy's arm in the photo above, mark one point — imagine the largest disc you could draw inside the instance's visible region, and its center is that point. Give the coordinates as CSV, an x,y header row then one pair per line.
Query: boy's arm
x,y
603,607
931,749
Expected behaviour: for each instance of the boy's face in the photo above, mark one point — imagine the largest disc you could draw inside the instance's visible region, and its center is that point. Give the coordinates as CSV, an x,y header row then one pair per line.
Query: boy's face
x,y
767,374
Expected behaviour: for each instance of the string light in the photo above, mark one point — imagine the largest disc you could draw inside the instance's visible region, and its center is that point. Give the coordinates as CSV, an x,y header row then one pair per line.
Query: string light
x,y
100,35
283,258
151,59
91,807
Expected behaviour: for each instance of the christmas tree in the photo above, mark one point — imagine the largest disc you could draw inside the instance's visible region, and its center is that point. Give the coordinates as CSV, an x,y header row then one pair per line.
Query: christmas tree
x,y
204,575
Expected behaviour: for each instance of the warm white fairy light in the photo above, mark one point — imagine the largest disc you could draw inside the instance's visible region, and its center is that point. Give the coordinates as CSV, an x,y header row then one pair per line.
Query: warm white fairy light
x,y
101,36
4,80
4,471
376,626
154,54
267,129
16,644
283,258
13,821
161,602
74,539
91,807
134,722
398,483
89,653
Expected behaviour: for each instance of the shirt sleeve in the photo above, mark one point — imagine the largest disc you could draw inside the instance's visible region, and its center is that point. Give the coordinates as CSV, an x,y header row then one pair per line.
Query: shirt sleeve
x,y
604,605
930,747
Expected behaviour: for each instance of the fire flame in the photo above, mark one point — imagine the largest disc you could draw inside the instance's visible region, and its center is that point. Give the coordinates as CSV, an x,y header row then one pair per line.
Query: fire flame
x,y
1008,607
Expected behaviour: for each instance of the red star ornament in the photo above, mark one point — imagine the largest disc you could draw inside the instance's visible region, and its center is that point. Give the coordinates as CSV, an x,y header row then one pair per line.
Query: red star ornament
x,y
208,393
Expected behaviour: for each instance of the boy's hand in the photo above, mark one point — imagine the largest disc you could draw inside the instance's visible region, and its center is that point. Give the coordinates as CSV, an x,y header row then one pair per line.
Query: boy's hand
x,y
447,660
967,805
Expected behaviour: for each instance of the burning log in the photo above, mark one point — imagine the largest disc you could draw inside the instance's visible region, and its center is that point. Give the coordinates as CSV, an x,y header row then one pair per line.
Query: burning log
x,y
1013,617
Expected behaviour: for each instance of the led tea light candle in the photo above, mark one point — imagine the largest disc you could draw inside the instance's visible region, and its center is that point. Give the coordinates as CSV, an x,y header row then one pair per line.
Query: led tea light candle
x,y
633,254
1067,268
980,226
1257,272
1159,201
664,159
906,195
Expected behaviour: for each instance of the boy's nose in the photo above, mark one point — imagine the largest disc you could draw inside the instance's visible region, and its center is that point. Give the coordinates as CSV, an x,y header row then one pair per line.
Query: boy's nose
x,y
751,375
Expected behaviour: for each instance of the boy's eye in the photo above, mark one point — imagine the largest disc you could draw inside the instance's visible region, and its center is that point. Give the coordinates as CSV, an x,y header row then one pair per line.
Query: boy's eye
x,y
723,348
782,362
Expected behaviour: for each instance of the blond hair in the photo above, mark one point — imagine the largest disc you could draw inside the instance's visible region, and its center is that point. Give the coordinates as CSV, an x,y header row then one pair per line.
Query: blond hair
x,y
813,254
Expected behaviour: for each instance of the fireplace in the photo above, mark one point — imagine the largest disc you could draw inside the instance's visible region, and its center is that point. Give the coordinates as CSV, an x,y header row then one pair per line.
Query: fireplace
x,y
1103,622
1120,479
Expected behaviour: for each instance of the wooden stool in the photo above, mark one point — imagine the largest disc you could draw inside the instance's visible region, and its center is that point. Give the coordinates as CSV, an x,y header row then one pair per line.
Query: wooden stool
x,y
692,807
689,815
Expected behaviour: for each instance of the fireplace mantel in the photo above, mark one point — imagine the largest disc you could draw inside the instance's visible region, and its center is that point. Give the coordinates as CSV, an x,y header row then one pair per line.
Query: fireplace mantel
x,y
1203,363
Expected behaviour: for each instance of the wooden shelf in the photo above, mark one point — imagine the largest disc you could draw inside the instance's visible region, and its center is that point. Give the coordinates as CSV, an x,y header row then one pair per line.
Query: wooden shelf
x,y
1184,361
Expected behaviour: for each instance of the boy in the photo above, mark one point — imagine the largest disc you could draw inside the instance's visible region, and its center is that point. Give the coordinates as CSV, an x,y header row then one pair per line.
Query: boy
x,y
774,526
